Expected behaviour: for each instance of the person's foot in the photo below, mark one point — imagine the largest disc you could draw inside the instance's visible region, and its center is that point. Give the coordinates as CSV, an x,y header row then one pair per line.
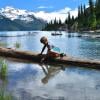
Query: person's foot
x,y
62,55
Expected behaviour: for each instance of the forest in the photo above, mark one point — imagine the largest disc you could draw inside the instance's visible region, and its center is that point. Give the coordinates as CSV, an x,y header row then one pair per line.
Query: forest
x,y
88,18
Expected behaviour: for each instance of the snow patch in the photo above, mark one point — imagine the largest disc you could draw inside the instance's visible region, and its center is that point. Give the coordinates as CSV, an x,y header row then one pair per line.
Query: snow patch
x,y
13,14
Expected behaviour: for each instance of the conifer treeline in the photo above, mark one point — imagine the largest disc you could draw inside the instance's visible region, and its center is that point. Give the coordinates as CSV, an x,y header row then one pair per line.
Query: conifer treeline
x,y
53,25
87,19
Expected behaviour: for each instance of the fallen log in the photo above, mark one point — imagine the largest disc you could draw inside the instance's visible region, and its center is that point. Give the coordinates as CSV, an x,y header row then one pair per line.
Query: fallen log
x,y
35,57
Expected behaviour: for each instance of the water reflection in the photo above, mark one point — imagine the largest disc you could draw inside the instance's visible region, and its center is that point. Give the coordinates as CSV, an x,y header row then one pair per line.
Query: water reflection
x,y
50,72
27,81
53,82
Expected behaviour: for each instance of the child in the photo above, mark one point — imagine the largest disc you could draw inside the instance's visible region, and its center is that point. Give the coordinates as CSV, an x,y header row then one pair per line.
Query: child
x,y
50,53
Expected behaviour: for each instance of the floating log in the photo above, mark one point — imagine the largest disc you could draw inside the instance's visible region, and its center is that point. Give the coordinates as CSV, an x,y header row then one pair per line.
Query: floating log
x,y
35,57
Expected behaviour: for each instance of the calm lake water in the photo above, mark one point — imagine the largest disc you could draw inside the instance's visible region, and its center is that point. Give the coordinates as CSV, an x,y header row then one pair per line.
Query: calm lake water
x,y
27,81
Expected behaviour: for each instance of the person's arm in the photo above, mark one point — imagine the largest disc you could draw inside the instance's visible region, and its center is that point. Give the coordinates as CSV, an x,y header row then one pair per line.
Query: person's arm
x,y
43,49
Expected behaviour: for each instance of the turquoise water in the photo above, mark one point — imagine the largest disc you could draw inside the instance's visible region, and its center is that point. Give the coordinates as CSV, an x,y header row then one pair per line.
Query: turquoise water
x,y
26,81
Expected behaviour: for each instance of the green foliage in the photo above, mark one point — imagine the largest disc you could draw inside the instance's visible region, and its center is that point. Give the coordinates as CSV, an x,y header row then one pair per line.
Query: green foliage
x,y
87,19
92,21
3,71
53,25
3,44
17,45
91,6
70,21
97,9
4,96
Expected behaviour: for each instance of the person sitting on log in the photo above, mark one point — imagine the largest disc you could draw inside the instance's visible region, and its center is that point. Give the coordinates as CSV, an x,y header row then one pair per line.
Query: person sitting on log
x,y
52,51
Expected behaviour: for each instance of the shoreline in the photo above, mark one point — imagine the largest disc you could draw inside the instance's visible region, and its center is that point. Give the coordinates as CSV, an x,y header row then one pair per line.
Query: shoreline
x,y
91,31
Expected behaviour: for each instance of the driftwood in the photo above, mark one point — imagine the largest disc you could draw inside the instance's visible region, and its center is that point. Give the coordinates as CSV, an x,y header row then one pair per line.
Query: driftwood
x,y
35,57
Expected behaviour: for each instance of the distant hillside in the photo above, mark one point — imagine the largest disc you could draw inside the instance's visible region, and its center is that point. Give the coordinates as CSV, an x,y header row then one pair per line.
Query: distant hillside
x,y
19,20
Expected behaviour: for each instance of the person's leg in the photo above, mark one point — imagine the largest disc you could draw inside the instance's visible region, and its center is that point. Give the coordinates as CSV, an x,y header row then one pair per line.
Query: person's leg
x,y
53,54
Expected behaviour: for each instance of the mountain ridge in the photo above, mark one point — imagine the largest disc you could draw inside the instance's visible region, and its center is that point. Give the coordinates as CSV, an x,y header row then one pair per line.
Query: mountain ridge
x,y
12,19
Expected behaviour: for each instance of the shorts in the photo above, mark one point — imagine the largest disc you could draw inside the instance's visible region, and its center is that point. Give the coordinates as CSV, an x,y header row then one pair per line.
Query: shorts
x,y
53,54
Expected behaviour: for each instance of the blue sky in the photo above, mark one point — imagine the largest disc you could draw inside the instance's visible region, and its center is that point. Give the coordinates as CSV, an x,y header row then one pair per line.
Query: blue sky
x,y
44,5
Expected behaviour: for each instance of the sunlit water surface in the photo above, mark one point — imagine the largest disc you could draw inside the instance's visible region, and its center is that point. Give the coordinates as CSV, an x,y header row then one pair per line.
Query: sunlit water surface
x,y
27,81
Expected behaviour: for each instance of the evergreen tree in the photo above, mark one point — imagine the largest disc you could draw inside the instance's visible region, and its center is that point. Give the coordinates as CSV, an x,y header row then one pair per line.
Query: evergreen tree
x,y
51,22
88,18
78,18
69,21
92,17
91,6
55,21
97,10
60,22
66,21
85,17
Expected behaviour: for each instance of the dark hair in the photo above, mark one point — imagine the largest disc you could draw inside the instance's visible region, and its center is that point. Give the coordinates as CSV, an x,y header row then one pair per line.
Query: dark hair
x,y
43,39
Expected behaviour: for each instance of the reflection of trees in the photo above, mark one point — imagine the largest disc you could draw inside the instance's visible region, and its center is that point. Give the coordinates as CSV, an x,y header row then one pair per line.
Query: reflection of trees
x,y
50,71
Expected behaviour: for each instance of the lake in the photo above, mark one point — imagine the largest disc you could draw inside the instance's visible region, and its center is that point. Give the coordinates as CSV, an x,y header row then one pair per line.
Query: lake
x,y
29,81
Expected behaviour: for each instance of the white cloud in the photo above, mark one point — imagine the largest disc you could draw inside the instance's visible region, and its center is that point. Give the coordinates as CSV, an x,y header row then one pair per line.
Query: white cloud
x,y
43,7
64,11
62,14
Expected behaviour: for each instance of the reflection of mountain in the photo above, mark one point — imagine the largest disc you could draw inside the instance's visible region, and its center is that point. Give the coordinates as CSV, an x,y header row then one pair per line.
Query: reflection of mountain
x,y
12,19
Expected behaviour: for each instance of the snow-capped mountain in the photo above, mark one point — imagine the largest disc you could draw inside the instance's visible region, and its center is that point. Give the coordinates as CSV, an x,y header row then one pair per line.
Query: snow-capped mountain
x,y
13,14
22,17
